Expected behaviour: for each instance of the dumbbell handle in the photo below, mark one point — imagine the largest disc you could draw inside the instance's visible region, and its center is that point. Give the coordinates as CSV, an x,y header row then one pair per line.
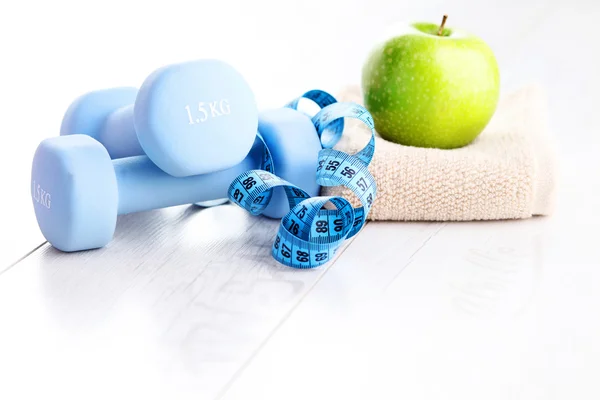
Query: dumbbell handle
x,y
119,138
118,134
143,186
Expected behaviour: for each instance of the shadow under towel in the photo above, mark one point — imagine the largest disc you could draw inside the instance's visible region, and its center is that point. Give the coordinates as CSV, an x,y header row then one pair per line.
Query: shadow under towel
x,y
508,172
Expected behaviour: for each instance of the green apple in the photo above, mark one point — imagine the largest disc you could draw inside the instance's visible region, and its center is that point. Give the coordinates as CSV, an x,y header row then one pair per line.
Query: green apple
x,y
431,86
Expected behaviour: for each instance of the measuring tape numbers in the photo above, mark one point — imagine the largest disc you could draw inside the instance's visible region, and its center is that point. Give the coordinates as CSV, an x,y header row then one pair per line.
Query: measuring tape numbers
x,y
309,235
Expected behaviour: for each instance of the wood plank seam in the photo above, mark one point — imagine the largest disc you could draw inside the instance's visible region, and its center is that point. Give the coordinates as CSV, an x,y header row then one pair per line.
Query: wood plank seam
x,y
287,315
23,257
412,256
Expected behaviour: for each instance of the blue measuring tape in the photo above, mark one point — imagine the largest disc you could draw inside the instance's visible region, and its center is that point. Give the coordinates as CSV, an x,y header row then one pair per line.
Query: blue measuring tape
x,y
309,235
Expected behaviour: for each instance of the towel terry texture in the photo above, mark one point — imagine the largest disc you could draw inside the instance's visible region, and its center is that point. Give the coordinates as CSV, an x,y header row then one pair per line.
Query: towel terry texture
x,y
508,172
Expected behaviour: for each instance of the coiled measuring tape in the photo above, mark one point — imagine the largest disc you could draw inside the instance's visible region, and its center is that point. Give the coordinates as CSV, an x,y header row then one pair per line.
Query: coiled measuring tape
x,y
309,235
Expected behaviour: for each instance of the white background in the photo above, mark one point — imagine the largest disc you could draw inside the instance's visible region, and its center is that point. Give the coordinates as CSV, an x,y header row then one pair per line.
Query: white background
x,y
379,324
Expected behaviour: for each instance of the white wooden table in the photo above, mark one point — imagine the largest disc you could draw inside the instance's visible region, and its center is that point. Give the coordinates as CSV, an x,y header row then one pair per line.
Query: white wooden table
x,y
187,302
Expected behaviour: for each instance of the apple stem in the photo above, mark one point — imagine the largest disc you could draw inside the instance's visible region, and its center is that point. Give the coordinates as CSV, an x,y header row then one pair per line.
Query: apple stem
x,y
442,25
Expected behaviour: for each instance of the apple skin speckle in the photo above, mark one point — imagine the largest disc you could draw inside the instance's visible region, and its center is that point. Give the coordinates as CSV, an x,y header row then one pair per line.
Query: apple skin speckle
x,y
437,91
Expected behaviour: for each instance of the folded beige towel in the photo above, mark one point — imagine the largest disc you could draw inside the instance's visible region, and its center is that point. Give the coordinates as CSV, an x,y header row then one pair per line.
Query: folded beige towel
x,y
507,172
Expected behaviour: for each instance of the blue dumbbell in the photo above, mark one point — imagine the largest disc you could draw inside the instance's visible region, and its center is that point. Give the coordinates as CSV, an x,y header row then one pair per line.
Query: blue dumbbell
x,y
190,118
115,118
78,191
